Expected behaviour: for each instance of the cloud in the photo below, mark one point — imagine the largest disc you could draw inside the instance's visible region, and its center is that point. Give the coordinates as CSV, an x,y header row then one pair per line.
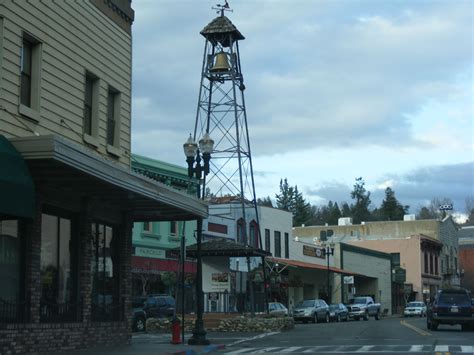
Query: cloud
x,y
419,186
343,88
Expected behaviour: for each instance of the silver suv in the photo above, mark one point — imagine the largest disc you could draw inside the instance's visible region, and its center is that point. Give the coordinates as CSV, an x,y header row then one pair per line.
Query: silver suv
x,y
315,310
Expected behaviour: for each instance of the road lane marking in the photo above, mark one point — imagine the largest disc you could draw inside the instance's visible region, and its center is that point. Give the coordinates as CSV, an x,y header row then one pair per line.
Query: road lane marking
x,y
268,350
291,349
416,348
260,336
416,329
441,348
365,348
467,349
241,351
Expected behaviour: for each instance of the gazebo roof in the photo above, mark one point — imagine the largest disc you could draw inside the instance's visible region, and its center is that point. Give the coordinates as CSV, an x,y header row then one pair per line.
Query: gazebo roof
x,y
224,247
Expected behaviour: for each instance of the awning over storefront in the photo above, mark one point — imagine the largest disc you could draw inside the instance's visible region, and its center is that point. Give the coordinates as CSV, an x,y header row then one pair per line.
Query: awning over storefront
x,y
64,165
305,265
17,195
146,265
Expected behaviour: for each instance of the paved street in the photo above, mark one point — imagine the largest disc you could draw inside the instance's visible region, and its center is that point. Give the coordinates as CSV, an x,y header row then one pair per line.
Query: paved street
x,y
391,335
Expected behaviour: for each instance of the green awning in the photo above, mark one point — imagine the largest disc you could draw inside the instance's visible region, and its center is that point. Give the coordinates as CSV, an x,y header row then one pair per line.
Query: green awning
x,y
17,193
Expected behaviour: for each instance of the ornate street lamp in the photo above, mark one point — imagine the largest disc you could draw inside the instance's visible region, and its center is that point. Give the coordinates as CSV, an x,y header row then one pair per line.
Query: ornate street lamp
x,y
194,156
328,249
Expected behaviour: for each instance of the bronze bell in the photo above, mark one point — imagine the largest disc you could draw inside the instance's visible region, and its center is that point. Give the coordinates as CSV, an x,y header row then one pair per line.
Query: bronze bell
x,y
221,64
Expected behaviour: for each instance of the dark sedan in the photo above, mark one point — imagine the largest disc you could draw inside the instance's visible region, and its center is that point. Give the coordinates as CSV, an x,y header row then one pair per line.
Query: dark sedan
x,y
338,312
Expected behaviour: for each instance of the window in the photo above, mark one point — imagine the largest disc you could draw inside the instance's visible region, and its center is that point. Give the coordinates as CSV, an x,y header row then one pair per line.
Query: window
x,y
277,236
241,231
217,228
175,228
287,246
30,74
91,109
110,117
267,239
426,262
11,305
436,265
113,122
147,227
58,272
25,96
88,105
106,303
431,264
253,234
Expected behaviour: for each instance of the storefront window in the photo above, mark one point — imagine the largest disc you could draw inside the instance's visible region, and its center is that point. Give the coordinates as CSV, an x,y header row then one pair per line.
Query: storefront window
x,y
106,304
58,296
10,272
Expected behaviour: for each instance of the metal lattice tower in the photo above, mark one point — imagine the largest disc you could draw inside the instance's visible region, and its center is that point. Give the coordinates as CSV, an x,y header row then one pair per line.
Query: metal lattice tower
x,y
221,113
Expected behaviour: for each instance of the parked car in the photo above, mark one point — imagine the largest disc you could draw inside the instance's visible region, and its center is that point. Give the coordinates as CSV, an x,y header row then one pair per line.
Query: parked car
x,y
451,306
139,314
159,306
415,308
363,307
276,308
338,312
314,310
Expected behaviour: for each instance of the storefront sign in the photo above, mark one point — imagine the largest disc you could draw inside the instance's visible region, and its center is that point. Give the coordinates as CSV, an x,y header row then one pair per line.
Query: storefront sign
x,y
348,280
313,251
220,281
150,253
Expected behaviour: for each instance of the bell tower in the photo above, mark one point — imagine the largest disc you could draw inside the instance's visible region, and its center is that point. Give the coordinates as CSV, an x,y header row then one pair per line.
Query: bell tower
x,y
221,114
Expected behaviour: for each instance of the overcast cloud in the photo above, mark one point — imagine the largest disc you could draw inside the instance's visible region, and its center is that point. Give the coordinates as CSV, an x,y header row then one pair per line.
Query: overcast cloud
x,y
335,90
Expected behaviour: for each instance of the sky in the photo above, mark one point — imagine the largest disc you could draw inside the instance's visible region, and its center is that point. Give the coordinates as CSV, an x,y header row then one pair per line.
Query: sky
x,y
335,90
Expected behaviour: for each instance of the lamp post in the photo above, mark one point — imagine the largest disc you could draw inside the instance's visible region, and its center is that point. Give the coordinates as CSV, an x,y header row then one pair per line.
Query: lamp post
x,y
194,156
328,249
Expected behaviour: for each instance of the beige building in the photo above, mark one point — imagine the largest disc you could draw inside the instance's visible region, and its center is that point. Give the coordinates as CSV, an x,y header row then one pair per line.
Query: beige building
x,y
426,249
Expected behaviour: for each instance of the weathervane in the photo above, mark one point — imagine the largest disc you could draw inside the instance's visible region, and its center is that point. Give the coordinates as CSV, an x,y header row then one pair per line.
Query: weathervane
x,y
221,8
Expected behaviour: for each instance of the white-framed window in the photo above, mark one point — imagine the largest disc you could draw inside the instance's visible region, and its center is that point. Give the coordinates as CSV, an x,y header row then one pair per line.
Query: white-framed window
x,y
113,121
91,109
174,228
147,227
30,77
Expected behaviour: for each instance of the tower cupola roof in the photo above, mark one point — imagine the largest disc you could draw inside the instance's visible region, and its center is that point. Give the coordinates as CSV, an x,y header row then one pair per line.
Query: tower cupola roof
x,y
218,30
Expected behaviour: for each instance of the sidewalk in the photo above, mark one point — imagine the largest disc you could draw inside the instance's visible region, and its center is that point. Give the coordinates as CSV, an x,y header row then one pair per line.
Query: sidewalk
x,y
156,344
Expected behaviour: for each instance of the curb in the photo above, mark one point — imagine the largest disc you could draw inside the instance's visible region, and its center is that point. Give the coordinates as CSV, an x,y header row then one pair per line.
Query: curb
x,y
206,350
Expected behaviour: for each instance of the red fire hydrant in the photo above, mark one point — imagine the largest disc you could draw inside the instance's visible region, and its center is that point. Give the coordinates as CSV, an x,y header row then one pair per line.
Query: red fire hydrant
x,y
176,332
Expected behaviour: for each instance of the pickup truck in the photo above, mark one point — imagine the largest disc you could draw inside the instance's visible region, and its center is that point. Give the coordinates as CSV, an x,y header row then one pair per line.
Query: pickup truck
x,y
363,307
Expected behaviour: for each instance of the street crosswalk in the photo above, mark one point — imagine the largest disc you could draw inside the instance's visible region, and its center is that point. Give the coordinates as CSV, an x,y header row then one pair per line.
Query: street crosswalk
x,y
348,349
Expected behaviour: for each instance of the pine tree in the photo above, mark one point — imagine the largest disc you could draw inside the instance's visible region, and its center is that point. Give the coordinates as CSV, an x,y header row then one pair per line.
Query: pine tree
x,y
346,210
266,201
360,210
391,209
285,200
302,209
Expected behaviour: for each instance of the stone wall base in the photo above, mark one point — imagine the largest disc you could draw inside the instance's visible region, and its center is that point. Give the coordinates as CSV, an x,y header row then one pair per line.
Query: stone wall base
x,y
260,324
46,338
